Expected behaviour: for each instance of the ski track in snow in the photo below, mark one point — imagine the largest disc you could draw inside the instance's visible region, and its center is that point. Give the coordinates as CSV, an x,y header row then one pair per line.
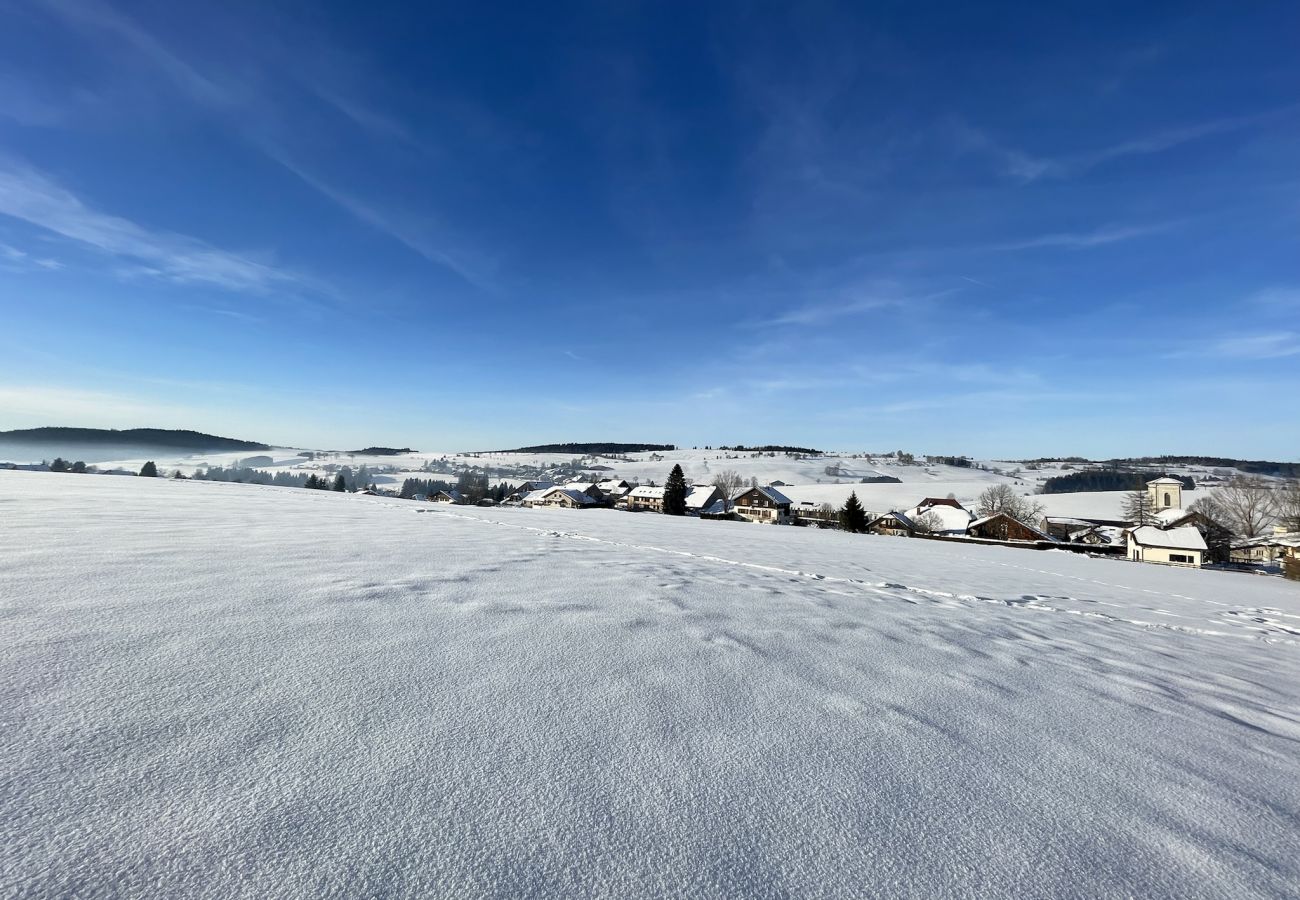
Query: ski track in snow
x,y
215,690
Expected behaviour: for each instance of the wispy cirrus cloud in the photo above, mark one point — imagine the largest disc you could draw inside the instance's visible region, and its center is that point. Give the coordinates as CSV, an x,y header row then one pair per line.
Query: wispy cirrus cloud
x,y
254,98
1025,167
853,302
16,260
1277,299
1272,345
1081,240
32,196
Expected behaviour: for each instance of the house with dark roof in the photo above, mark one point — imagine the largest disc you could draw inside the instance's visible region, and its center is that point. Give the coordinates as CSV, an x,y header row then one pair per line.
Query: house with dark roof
x,y
762,505
1003,527
895,523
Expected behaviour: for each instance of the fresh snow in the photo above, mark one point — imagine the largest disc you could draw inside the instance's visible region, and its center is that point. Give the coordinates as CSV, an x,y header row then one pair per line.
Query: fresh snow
x,y
217,690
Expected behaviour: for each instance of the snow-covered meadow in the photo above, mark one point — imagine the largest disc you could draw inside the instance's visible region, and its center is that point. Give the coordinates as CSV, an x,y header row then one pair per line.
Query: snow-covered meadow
x,y
226,690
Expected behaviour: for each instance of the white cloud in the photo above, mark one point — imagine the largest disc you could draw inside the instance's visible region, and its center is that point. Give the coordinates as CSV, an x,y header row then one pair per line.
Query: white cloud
x,y
1273,345
34,197
1026,168
1079,240
854,301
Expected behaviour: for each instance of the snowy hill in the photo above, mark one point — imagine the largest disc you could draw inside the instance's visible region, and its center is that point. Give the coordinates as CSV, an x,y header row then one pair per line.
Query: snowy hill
x,y
226,690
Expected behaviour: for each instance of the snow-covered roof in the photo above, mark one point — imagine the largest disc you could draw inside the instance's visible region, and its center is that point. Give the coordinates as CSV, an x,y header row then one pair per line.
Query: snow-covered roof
x,y
997,515
647,493
770,492
576,496
952,519
902,517
537,496
1185,538
1167,517
700,495
1166,480
1289,539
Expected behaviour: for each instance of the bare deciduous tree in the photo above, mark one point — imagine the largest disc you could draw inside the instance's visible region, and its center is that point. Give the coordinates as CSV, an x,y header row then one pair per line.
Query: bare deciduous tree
x,y
1287,505
1001,498
1247,504
729,482
928,522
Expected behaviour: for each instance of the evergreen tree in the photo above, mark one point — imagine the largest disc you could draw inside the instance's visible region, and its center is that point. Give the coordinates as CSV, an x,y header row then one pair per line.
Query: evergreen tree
x,y
1138,508
59,465
339,484
853,517
675,493
149,470
312,482
79,467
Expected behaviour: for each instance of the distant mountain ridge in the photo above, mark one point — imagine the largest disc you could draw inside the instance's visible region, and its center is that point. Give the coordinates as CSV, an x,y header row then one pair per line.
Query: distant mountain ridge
x,y
129,437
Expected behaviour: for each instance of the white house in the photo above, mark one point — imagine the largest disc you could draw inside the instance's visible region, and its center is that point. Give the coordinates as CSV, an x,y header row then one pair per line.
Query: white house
x,y
1183,546
651,498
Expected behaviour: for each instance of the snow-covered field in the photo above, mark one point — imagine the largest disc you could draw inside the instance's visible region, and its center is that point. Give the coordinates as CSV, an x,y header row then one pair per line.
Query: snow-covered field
x,y
224,690
813,480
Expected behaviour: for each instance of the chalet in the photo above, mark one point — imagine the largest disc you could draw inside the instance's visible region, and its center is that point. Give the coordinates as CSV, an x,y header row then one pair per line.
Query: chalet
x,y
528,487
1003,527
700,497
646,498
564,498
449,496
614,488
762,505
1266,550
1063,527
1167,546
1088,534
591,489
1165,493
898,524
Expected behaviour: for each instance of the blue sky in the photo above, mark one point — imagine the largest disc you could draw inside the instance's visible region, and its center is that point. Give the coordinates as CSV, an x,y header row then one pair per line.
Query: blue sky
x,y
966,228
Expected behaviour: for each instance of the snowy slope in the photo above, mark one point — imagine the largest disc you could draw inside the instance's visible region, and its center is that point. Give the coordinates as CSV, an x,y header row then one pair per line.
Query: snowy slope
x,y
222,690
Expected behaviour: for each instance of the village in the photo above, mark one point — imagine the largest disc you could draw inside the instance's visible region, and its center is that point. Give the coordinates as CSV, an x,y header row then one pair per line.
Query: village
x,y
1166,533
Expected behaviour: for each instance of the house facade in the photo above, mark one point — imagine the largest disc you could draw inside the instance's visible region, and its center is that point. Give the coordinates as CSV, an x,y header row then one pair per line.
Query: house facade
x,y
1002,527
1268,550
645,499
1182,546
563,498
762,505
896,524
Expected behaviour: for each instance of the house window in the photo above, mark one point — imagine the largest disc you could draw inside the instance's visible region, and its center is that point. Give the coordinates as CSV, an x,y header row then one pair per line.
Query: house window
x,y
1179,558
1167,503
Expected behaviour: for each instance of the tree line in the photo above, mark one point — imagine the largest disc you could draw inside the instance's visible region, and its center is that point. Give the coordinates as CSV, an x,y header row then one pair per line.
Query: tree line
x,y
1107,480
